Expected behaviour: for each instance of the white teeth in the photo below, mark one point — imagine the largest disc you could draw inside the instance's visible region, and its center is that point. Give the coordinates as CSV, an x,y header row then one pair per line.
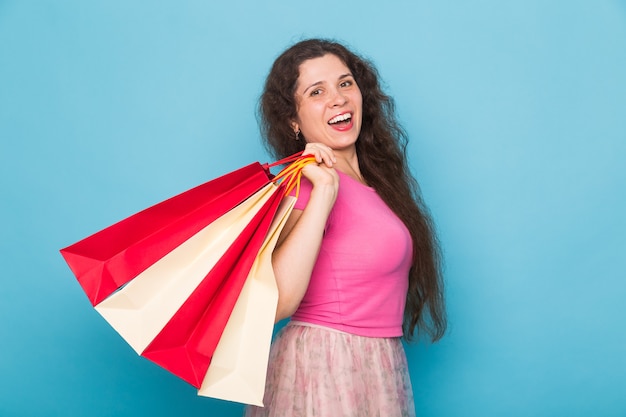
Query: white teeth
x,y
340,118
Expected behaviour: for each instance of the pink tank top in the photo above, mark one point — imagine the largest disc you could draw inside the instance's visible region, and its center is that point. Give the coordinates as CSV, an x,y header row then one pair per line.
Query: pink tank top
x,y
360,280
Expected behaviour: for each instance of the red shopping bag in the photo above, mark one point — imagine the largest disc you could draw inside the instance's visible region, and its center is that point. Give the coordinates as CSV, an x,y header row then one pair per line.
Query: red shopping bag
x,y
186,344
108,259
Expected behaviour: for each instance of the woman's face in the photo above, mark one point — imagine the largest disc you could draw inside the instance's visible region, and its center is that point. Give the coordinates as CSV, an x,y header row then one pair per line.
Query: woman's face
x,y
329,103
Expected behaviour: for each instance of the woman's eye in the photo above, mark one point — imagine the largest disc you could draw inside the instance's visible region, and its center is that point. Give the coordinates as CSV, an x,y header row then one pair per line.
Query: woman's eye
x,y
316,92
346,84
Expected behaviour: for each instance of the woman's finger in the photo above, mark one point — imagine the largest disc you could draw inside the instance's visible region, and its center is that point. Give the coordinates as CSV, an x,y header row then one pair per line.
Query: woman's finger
x,y
323,153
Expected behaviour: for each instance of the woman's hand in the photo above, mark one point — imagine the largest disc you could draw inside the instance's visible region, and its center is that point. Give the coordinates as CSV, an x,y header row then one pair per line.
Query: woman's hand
x,y
321,174
323,154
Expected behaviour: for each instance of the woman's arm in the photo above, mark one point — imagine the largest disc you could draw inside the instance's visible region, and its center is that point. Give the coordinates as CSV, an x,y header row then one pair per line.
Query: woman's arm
x,y
298,245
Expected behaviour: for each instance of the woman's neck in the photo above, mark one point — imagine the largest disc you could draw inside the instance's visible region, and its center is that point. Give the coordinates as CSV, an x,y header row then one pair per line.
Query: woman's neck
x,y
348,163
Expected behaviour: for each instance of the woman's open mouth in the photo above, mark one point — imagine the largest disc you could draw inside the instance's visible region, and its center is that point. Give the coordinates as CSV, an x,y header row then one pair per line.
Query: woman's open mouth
x,y
341,121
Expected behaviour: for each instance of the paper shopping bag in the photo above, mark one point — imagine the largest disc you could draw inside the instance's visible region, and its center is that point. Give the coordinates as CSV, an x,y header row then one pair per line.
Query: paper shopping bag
x,y
238,368
108,259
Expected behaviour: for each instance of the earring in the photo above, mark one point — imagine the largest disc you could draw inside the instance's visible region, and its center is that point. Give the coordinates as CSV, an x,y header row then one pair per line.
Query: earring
x,y
298,134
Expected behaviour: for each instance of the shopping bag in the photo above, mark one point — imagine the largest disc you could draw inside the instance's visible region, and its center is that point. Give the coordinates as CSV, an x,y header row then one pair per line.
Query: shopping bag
x,y
239,363
106,260
168,278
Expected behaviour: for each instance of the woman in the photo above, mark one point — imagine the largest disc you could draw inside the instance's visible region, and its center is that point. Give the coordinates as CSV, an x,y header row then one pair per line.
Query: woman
x,y
357,264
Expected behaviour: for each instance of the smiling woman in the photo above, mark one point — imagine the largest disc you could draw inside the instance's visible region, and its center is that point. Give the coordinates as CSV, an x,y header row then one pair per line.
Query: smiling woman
x,y
356,264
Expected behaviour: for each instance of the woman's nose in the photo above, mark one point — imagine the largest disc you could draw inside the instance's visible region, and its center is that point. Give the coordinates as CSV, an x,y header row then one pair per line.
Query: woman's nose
x,y
338,99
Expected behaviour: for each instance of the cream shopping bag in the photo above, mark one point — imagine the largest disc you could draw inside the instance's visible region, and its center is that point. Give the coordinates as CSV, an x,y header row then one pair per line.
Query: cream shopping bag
x,y
239,364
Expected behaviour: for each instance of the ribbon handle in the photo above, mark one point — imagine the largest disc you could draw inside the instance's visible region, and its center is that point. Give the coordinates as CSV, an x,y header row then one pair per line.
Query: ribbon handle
x,y
289,178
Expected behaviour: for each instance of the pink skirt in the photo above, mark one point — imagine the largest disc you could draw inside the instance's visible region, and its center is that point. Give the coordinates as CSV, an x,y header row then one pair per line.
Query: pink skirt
x,y
316,371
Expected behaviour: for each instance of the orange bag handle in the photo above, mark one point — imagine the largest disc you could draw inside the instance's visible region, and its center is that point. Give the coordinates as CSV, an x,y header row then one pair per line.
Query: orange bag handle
x,y
290,176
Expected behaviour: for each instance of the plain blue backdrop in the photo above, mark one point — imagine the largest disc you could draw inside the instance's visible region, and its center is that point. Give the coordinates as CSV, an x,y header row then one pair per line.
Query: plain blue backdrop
x,y
517,117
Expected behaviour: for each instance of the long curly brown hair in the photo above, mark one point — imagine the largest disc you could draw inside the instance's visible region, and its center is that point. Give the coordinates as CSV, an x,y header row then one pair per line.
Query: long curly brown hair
x,y
381,150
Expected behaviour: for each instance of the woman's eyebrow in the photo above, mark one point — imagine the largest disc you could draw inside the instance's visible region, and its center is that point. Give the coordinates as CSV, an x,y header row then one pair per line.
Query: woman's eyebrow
x,y
313,85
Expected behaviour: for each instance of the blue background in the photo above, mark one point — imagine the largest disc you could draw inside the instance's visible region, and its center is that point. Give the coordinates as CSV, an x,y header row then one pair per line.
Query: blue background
x,y
517,115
